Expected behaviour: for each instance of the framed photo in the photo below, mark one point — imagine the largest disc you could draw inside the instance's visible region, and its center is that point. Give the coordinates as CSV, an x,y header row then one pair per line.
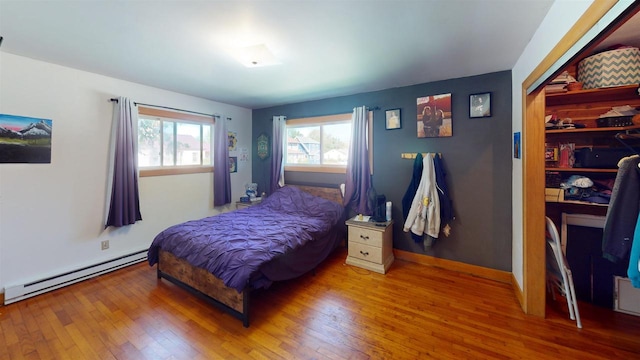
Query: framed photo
x,y
480,105
393,119
434,116
516,145
233,140
233,164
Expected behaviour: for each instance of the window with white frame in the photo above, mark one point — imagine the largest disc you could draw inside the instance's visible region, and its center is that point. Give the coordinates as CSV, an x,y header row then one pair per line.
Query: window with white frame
x,y
169,142
318,141
321,144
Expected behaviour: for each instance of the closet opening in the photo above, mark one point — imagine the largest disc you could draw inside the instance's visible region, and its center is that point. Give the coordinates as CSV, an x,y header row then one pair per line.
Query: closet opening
x,y
540,174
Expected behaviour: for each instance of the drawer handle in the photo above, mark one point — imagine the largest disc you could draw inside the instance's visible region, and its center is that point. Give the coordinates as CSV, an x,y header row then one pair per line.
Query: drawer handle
x,y
365,253
364,237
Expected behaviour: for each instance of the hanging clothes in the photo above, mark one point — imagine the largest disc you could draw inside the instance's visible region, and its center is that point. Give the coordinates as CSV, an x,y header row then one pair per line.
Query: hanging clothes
x,y
622,214
446,206
407,199
633,272
424,214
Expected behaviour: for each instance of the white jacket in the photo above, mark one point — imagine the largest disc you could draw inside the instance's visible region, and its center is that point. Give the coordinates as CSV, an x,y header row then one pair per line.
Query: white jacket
x,y
424,214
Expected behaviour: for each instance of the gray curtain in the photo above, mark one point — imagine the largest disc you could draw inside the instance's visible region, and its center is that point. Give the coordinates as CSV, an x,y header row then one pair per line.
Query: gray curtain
x,y
221,175
358,171
277,149
124,200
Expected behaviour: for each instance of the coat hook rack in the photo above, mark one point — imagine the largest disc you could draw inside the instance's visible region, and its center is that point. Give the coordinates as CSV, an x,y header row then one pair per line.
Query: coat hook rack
x,y
413,155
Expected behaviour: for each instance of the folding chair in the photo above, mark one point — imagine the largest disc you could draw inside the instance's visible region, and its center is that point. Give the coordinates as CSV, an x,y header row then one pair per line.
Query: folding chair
x,y
558,273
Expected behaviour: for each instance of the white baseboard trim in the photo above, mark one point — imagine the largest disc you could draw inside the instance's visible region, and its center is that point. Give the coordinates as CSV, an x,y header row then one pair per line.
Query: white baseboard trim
x,y
23,291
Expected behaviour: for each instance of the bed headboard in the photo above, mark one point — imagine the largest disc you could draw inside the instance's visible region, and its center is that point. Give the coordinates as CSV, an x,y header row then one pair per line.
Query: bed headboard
x,y
331,194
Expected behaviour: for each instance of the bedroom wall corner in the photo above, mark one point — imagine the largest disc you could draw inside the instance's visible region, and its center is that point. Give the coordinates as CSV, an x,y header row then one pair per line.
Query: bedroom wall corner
x,y
52,215
477,159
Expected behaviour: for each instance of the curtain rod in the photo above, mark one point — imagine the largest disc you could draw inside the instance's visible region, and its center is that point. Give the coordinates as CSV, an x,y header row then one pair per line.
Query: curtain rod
x,y
170,108
368,109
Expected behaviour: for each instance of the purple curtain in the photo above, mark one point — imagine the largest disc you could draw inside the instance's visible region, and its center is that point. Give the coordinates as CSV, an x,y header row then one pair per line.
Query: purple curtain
x,y
124,200
221,174
277,149
358,171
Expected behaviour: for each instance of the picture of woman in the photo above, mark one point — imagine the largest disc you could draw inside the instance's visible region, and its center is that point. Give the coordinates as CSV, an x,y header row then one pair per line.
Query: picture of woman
x,y
434,116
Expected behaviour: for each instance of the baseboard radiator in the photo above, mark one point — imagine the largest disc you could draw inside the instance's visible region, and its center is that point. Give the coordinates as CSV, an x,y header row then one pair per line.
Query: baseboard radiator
x,y
21,292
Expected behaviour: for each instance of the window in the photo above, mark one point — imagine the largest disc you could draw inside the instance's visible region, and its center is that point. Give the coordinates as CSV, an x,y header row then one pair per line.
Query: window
x,y
173,143
319,144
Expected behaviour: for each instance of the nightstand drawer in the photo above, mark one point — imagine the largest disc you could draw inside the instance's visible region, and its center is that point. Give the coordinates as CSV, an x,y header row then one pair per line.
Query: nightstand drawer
x,y
365,252
365,236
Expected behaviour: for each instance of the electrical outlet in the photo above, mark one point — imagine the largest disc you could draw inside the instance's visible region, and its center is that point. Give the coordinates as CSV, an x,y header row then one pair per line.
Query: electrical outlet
x,y
105,244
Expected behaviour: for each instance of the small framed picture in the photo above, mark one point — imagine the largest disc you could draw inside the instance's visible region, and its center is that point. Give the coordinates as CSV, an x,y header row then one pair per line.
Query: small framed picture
x,y
233,140
516,145
480,105
393,119
233,164
551,154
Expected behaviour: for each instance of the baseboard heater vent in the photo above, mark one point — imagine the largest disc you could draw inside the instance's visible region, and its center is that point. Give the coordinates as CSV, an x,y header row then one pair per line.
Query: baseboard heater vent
x,y
21,292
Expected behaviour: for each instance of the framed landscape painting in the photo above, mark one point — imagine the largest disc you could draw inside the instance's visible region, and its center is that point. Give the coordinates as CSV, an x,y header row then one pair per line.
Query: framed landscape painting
x,y
25,139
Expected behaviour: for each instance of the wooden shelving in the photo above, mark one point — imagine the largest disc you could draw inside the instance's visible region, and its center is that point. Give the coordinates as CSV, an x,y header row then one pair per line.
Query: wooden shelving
x,y
582,203
592,95
581,170
585,107
592,129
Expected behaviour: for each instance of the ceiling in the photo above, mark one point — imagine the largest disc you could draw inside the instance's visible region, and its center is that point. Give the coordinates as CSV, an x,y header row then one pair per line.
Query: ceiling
x,y
626,34
327,48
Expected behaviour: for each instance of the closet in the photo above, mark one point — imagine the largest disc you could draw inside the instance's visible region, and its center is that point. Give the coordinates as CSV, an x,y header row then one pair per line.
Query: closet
x,y
581,154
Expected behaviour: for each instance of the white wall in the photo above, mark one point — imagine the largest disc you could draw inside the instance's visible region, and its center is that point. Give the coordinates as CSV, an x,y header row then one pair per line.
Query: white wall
x,y
52,215
560,18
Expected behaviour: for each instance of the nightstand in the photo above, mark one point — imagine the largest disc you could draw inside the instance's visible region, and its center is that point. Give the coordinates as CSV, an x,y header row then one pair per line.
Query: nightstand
x,y
242,205
370,245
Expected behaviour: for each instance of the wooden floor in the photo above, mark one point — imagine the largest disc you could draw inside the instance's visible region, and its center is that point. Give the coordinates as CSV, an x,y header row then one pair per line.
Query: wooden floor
x,y
343,312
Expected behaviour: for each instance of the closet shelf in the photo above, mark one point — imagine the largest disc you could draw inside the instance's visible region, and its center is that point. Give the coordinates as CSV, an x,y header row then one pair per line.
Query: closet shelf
x,y
581,170
592,129
592,95
577,202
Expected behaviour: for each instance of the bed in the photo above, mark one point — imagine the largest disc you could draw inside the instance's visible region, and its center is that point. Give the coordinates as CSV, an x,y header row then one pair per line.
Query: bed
x,y
226,256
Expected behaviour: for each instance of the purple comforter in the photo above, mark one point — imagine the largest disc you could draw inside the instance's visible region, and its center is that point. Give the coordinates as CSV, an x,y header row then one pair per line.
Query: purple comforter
x,y
234,245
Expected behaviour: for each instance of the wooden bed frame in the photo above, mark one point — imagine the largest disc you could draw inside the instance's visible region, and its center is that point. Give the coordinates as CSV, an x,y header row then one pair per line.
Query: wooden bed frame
x,y
204,284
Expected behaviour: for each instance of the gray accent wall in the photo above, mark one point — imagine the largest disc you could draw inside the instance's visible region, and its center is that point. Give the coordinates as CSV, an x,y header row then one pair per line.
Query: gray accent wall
x,y
477,158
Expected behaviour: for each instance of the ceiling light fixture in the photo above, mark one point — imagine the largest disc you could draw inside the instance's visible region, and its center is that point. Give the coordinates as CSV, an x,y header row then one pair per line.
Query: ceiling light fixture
x,y
254,56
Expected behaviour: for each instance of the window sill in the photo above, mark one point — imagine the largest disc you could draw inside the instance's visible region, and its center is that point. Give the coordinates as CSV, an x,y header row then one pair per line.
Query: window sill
x,y
317,169
175,170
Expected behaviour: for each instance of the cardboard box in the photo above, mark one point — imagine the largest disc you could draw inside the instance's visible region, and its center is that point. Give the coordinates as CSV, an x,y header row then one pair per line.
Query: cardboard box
x,y
553,195
626,297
